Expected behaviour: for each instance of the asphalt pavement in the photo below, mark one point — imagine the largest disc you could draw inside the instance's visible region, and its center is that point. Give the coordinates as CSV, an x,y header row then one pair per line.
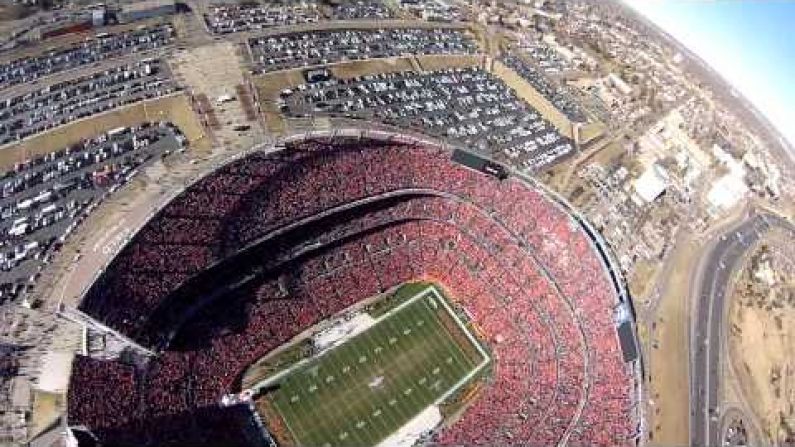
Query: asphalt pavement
x,y
721,262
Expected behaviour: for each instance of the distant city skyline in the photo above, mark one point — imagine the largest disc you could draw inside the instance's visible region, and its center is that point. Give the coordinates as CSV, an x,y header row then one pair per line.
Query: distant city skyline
x,y
750,43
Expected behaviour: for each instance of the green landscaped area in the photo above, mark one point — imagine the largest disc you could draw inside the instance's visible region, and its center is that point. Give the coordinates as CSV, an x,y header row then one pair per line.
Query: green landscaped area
x,y
361,391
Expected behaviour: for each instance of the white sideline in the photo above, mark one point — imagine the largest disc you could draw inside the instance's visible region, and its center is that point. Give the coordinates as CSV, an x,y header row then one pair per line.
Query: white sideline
x,y
430,289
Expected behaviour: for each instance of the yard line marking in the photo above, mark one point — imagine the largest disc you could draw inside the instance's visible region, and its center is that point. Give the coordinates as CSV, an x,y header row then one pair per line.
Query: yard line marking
x,y
348,410
391,422
477,368
420,345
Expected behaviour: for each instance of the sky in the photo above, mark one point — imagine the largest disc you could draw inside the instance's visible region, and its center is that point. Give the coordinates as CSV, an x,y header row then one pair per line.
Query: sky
x,y
751,43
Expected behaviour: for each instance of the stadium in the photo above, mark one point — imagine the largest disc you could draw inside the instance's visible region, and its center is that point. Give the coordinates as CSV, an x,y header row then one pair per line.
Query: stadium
x,y
283,223
359,287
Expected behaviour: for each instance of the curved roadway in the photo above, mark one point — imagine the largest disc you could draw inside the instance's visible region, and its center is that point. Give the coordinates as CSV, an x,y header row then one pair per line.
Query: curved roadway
x,y
722,259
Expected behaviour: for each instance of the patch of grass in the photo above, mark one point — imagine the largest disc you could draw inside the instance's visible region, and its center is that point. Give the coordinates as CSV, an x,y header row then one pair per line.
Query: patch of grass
x,y
363,390
393,299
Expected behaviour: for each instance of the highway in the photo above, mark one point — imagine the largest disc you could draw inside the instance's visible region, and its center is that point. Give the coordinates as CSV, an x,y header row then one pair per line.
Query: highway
x,y
722,259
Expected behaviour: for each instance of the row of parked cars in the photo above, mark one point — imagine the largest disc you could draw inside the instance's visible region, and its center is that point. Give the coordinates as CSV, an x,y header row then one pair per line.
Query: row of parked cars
x,y
45,198
361,9
293,50
26,114
93,49
468,106
436,10
555,93
225,18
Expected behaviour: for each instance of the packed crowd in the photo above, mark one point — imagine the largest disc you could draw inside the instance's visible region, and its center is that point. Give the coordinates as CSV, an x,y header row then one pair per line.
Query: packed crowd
x,y
225,18
466,105
280,52
114,413
23,115
95,49
43,199
557,95
525,272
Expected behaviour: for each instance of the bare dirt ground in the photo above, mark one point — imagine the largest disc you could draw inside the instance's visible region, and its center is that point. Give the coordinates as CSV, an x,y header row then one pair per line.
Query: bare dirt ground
x,y
666,350
591,131
440,62
174,108
268,87
643,277
216,70
762,337
47,407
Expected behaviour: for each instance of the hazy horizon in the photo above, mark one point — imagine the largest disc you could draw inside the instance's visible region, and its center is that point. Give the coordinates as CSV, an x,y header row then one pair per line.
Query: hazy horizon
x,y
748,43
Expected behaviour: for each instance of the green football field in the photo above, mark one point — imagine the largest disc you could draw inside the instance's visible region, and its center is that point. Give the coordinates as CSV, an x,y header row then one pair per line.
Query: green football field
x,y
363,390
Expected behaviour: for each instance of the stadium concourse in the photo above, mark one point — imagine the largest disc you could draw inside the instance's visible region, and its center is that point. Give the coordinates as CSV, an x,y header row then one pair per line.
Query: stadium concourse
x,y
272,244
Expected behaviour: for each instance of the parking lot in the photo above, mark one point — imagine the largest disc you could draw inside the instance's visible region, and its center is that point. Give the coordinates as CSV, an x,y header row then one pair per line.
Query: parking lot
x,y
93,49
435,10
63,102
322,47
361,9
232,18
468,106
42,201
557,95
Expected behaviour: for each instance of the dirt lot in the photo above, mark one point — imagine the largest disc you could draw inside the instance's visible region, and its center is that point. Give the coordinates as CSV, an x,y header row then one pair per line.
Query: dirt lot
x,y
214,71
591,131
174,108
438,62
762,337
643,276
46,409
268,88
667,353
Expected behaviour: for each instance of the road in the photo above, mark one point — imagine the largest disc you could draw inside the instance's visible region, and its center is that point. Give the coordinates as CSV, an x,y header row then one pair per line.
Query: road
x,y
724,256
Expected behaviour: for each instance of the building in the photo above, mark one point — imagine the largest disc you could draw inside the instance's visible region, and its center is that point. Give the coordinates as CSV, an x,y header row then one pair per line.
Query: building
x,y
651,184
